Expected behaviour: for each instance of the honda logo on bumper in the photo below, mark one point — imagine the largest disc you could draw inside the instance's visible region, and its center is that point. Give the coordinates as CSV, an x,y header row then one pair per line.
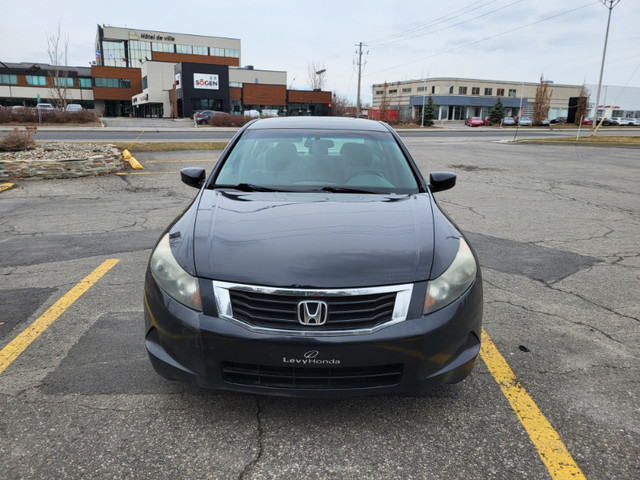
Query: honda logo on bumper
x,y
311,312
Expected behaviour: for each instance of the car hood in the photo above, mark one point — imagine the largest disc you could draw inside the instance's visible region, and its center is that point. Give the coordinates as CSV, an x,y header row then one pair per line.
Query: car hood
x,y
313,240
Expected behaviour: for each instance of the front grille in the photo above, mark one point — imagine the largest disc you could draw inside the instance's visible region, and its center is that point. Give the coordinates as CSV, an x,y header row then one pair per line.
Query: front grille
x,y
311,378
281,311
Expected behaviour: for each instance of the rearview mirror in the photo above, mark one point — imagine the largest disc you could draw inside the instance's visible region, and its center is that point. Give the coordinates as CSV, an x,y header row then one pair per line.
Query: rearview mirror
x,y
193,176
439,181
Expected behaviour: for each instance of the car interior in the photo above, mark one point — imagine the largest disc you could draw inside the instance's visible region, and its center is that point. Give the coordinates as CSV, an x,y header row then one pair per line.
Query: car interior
x,y
318,161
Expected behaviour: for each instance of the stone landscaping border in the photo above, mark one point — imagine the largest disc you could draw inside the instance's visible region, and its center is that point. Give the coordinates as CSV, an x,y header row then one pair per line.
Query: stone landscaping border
x,y
57,161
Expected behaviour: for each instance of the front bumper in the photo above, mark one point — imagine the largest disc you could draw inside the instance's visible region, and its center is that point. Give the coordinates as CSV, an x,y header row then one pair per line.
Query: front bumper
x,y
408,357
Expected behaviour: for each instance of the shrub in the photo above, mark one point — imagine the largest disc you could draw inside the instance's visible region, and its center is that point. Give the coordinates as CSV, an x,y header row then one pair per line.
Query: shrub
x,y
227,120
30,115
16,141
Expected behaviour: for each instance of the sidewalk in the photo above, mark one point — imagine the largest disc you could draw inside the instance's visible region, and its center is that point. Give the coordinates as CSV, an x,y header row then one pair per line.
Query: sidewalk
x,y
126,124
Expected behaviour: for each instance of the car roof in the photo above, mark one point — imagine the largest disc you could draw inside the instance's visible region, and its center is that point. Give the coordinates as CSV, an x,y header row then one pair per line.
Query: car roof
x,y
318,123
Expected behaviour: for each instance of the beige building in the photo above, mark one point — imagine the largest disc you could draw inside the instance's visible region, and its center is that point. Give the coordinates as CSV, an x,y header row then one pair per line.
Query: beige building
x,y
460,98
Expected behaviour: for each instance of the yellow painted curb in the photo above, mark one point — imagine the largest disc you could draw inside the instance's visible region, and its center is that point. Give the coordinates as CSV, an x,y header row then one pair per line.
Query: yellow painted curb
x,y
135,164
132,161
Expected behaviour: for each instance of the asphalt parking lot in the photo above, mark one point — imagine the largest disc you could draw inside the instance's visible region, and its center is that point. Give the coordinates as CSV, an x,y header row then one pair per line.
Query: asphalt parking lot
x,y
555,394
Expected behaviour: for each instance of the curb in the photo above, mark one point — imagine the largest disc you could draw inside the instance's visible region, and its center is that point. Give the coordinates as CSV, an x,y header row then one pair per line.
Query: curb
x,y
6,186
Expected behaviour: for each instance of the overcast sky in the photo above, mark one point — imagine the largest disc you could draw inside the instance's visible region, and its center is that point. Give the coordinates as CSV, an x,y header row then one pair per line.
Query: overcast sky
x,y
516,40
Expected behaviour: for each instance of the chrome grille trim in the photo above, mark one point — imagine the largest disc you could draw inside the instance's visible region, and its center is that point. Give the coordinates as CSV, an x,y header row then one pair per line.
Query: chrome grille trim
x,y
401,307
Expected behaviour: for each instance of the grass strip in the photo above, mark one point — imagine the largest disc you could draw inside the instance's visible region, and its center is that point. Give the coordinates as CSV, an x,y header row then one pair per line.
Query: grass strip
x,y
597,140
170,146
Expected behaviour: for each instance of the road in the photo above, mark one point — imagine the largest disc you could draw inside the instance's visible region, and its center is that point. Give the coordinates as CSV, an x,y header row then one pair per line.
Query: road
x,y
556,229
152,133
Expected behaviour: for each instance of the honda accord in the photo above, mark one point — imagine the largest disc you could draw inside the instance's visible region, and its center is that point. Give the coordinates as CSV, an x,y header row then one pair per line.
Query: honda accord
x,y
314,261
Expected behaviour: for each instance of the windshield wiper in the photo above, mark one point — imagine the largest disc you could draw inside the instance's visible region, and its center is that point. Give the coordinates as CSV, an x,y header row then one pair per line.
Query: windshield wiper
x,y
333,189
249,187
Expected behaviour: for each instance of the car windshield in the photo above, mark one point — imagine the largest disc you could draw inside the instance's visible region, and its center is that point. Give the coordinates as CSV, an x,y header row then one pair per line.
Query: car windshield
x,y
304,160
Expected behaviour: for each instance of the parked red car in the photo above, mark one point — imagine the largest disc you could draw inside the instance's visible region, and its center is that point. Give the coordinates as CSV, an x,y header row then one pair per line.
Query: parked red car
x,y
476,122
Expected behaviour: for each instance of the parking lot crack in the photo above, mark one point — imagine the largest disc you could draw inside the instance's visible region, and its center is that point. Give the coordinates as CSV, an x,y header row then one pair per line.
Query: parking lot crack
x,y
466,207
260,433
591,302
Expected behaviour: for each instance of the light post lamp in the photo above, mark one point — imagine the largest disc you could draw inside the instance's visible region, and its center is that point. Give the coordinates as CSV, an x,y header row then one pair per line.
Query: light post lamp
x,y
320,80
609,4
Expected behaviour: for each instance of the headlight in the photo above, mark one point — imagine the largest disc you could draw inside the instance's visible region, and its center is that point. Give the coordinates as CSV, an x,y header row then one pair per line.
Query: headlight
x,y
177,283
453,282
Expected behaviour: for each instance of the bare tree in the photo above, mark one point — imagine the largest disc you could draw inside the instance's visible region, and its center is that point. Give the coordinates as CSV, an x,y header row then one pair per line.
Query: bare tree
x,y
57,49
316,76
340,105
542,102
583,105
383,108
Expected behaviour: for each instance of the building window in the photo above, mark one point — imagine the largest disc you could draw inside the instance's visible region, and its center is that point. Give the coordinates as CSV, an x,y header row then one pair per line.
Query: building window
x,y
379,92
63,82
488,91
186,49
475,90
421,89
145,82
36,80
406,90
10,79
200,50
84,82
500,92
138,53
112,82
162,47
435,89
225,52
395,90
512,92
449,89
462,90
113,55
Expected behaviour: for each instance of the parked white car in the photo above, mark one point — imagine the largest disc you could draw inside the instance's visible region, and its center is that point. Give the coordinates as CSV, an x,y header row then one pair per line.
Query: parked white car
x,y
74,107
45,107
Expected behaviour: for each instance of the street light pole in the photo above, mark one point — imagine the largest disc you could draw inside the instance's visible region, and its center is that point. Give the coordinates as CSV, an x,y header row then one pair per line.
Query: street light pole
x,y
320,80
609,4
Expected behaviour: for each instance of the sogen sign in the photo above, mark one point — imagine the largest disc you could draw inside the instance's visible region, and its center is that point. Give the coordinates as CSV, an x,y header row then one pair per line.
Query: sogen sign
x,y
204,80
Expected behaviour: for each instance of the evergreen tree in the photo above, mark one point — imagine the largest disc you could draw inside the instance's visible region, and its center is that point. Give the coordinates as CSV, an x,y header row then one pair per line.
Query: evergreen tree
x,y
429,113
496,114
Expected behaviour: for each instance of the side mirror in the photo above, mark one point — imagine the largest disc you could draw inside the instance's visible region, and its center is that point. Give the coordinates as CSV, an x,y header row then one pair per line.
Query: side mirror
x,y
439,181
193,176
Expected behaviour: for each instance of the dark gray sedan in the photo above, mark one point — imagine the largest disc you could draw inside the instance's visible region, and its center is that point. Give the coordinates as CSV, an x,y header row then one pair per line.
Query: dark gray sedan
x,y
314,261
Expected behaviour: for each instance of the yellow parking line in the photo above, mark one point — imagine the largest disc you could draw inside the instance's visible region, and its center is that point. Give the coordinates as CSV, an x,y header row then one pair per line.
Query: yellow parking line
x,y
146,173
552,451
19,344
181,161
6,186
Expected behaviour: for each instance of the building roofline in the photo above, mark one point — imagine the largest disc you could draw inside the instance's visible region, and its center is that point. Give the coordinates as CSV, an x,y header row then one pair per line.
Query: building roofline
x,y
466,79
103,26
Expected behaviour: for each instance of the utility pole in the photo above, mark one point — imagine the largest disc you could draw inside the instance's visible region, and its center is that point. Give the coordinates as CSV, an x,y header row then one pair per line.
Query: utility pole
x,y
359,104
424,97
609,4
